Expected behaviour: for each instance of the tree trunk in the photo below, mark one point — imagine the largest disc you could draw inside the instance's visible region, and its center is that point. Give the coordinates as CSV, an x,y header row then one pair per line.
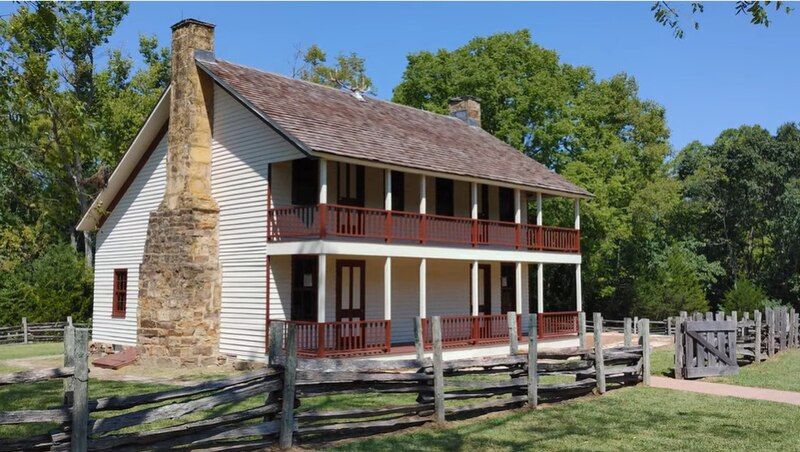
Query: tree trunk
x,y
88,248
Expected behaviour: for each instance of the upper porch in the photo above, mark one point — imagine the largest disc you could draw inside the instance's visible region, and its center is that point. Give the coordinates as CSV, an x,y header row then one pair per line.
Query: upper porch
x,y
327,199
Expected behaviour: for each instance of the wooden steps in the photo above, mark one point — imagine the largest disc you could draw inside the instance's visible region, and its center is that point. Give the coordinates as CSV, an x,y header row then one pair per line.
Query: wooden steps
x,y
117,360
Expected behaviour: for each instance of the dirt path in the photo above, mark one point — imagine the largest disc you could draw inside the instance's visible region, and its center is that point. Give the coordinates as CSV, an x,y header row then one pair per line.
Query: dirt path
x,y
720,389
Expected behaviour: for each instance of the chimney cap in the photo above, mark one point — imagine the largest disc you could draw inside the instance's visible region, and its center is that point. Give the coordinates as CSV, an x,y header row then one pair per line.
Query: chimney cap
x,y
455,100
191,21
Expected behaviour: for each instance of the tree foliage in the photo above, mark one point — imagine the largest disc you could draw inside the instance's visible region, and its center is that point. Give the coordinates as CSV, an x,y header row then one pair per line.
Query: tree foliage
x,y
668,14
348,72
744,296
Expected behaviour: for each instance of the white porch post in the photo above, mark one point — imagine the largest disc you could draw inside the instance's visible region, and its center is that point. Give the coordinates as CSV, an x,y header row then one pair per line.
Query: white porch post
x,y
540,287
540,266
474,281
517,206
474,198
387,203
423,194
423,287
323,181
518,288
578,288
322,270
387,289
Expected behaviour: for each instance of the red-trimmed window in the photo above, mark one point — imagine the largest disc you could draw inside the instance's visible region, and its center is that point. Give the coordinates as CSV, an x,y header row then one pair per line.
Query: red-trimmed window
x,y
120,300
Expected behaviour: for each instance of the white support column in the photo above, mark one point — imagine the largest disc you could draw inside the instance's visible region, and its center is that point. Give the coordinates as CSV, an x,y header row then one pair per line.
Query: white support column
x,y
538,209
539,287
474,282
387,203
577,213
322,271
474,197
423,194
578,290
518,287
323,181
423,287
387,289
517,206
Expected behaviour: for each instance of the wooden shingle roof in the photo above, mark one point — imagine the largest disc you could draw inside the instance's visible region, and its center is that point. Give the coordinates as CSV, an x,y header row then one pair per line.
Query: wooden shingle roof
x,y
320,119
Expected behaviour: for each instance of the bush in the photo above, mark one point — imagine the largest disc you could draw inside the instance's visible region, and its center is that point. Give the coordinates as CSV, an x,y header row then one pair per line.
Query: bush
x,y
744,296
48,288
673,285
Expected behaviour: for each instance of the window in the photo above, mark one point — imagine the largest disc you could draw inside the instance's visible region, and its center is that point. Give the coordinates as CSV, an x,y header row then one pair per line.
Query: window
x,y
398,191
305,182
120,299
444,197
507,209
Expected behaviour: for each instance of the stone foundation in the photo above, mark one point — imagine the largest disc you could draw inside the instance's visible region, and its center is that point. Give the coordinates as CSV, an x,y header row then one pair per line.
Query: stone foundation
x,y
179,288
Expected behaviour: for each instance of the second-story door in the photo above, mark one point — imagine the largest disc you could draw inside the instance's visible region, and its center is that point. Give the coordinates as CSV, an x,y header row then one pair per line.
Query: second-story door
x,y
349,192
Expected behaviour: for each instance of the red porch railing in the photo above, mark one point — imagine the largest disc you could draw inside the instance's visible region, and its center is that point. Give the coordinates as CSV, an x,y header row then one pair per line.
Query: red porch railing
x,y
461,330
387,225
557,324
337,339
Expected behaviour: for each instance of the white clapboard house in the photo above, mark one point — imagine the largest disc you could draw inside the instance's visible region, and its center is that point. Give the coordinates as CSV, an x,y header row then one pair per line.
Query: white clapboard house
x,y
348,216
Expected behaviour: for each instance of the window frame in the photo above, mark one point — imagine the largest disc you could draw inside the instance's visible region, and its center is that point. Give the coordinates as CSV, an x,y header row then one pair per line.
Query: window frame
x,y
119,293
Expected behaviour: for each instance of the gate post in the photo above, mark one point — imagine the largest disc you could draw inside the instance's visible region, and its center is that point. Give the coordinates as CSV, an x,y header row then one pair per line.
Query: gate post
x,y
289,376
581,330
533,363
679,343
419,345
438,371
513,339
770,332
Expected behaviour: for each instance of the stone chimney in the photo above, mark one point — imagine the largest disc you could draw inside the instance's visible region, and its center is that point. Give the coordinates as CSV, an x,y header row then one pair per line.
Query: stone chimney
x,y
467,109
179,278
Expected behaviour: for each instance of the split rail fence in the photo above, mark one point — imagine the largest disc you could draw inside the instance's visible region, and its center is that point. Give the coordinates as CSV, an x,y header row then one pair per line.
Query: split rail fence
x,y
267,407
26,333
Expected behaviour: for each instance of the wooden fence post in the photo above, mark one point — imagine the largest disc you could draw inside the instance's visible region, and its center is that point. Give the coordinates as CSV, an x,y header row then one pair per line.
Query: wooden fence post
x,y
289,379
793,326
438,371
770,332
599,364
513,339
626,328
669,326
644,340
79,436
69,361
419,341
25,330
581,330
533,363
679,351
784,312
274,345
635,324
757,336
69,320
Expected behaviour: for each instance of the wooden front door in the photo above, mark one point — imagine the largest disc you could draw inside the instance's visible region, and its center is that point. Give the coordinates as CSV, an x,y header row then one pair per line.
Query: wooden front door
x,y
484,289
508,288
350,286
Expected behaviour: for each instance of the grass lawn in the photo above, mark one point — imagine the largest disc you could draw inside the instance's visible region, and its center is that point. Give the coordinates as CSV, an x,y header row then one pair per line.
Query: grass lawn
x,y
633,418
782,371
662,361
27,351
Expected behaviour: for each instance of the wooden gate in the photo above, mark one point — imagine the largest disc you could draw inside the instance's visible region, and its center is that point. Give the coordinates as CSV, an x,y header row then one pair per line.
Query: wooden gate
x,y
708,347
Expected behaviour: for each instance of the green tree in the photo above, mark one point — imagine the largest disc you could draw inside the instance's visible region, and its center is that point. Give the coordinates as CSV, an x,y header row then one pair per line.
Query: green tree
x,y
744,296
669,15
597,133
348,72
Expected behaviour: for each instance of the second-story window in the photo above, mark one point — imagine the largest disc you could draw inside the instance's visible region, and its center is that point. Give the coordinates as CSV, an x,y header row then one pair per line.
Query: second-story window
x,y
444,197
398,191
305,182
119,301
506,204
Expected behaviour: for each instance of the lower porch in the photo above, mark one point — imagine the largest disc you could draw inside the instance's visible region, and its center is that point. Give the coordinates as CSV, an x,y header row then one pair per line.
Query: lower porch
x,y
365,305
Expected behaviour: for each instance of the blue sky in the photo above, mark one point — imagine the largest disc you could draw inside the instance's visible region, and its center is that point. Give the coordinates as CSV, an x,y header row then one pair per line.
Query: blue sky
x,y
726,74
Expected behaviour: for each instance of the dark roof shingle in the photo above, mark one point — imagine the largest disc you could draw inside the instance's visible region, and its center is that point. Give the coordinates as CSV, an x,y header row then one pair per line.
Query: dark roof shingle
x,y
332,121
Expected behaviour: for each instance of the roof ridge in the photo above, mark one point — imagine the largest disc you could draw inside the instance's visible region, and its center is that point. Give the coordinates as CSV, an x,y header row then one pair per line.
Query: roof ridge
x,y
337,90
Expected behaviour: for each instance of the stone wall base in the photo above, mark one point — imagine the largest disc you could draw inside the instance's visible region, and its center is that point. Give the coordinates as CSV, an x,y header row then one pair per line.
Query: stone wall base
x,y
179,289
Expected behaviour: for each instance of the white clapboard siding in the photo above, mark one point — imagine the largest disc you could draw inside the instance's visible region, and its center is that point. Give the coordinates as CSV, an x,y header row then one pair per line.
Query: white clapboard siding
x,y
243,147
120,244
